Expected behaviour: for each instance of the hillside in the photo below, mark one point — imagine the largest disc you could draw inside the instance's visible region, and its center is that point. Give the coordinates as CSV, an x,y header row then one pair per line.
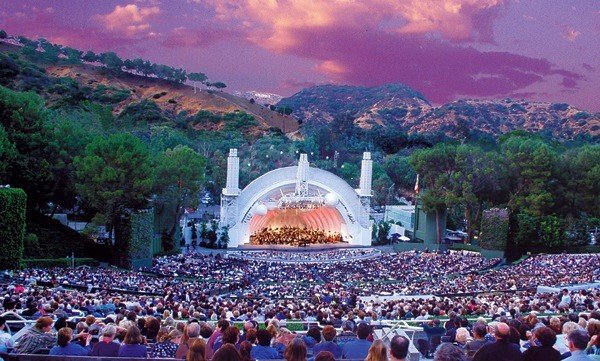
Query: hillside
x,y
400,107
324,102
122,89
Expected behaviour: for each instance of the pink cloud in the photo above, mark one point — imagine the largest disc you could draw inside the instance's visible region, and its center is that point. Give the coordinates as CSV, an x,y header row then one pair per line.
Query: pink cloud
x,y
275,22
439,69
416,42
129,20
43,24
183,37
570,34
295,84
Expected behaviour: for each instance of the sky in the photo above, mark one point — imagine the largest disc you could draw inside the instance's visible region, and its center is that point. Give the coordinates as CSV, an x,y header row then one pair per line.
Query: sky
x,y
540,50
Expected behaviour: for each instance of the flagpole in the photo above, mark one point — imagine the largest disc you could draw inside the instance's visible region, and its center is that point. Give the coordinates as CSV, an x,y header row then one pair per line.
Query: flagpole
x,y
416,210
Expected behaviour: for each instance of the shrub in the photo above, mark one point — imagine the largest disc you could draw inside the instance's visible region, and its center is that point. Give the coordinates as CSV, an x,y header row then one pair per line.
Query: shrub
x,y
494,229
144,111
57,262
12,226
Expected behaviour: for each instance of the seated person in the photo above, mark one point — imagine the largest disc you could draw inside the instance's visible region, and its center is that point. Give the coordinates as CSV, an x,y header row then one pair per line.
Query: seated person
x,y
65,347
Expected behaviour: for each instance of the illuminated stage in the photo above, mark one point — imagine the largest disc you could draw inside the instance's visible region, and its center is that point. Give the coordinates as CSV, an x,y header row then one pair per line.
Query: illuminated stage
x,y
301,197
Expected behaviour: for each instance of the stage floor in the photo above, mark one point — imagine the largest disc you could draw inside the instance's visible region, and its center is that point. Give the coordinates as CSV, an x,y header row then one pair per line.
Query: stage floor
x,y
308,248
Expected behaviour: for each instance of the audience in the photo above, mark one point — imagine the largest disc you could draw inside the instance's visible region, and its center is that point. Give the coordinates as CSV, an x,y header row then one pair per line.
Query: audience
x,y
107,346
542,348
399,348
501,349
578,342
296,350
227,353
358,348
65,347
197,350
377,352
451,352
134,344
37,337
175,314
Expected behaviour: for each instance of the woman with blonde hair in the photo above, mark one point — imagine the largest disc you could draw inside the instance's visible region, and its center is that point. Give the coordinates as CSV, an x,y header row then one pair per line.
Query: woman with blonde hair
x,y
377,352
196,351
167,344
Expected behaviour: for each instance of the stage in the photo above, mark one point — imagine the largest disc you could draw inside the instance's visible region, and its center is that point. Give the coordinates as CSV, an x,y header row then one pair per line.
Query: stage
x,y
308,248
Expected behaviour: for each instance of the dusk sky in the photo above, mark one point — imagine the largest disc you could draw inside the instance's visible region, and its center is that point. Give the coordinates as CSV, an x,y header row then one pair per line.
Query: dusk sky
x,y
547,50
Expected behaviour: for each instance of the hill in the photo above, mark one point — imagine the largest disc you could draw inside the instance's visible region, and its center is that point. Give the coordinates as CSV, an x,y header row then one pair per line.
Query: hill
x,y
121,90
398,106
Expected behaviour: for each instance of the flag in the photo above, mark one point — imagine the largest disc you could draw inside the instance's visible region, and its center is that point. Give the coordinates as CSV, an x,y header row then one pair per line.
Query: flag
x,y
417,185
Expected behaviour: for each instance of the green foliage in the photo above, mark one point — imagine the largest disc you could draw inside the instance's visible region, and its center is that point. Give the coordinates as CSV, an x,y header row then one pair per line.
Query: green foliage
x,y
23,117
527,230
383,229
284,110
179,174
3,34
552,231
400,171
110,94
200,77
9,69
114,174
89,56
12,226
239,121
531,164
224,237
494,229
58,262
56,240
579,173
31,246
111,60
142,223
7,153
144,112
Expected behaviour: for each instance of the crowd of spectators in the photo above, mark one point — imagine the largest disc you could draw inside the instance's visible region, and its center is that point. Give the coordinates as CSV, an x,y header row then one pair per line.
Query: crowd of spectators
x,y
315,256
319,293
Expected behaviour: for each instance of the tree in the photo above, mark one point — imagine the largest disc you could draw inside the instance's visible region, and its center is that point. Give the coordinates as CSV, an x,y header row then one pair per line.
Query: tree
x,y
579,174
90,56
7,153
179,175
382,232
3,34
111,60
51,51
436,166
73,55
114,176
284,110
530,164
401,172
219,85
197,77
224,237
478,179
23,117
